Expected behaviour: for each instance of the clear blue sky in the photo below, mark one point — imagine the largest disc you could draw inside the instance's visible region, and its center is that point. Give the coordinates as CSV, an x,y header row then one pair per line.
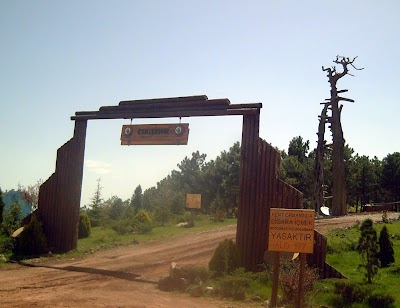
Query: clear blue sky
x,y
58,57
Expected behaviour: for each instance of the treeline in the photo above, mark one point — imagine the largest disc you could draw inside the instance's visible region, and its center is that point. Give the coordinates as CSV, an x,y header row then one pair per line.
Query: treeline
x,y
216,180
368,180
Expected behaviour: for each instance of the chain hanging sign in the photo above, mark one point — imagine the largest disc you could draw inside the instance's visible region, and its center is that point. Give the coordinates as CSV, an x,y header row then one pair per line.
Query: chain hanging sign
x,y
156,134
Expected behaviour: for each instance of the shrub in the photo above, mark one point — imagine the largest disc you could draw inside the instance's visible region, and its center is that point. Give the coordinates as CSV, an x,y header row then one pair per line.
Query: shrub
x,y
234,285
32,241
386,252
143,227
225,258
195,275
84,226
143,222
368,249
143,217
185,217
289,281
217,205
12,218
7,245
381,300
349,293
220,215
123,226
162,215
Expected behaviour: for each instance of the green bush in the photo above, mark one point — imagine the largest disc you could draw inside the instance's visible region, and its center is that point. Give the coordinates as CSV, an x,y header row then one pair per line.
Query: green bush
x,y
143,217
368,249
12,218
7,245
234,285
381,300
225,259
123,226
142,222
142,227
32,241
196,275
84,226
349,293
386,252
185,217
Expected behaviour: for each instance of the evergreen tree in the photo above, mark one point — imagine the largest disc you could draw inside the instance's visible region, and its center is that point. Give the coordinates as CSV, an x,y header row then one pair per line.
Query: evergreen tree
x,y
368,249
96,212
299,148
96,199
386,252
391,176
2,206
136,201
12,218
117,208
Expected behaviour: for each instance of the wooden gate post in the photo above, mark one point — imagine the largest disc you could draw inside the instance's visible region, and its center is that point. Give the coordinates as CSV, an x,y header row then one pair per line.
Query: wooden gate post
x,y
246,226
60,195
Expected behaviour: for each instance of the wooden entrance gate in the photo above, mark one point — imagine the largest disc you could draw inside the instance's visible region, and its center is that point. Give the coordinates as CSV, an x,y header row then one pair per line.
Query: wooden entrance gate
x,y
260,187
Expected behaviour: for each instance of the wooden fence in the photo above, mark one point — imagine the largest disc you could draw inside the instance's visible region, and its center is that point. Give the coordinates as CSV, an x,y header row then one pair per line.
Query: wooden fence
x,y
59,196
318,258
260,190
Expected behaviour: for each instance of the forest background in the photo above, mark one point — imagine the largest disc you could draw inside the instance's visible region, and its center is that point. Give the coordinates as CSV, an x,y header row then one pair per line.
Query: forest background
x,y
368,180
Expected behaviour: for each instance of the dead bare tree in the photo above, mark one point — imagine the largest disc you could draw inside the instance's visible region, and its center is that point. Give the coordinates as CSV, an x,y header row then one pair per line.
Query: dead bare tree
x,y
339,207
318,197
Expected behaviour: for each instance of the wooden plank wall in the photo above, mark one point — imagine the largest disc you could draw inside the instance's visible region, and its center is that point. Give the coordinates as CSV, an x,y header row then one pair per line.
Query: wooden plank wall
x,y
248,209
318,258
59,196
260,189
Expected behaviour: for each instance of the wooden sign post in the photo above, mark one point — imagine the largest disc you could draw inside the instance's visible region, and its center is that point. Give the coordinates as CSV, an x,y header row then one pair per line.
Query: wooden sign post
x,y
193,202
291,231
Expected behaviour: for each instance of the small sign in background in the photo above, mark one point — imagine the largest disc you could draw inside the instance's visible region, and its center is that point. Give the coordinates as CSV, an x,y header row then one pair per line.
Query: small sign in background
x,y
193,201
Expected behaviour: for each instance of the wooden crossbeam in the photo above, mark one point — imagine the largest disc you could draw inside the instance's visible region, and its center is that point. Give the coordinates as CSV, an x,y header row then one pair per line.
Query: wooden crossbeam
x,y
181,99
96,115
190,106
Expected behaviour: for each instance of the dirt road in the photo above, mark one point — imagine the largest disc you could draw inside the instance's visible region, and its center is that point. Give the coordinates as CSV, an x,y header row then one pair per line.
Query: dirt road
x,y
124,276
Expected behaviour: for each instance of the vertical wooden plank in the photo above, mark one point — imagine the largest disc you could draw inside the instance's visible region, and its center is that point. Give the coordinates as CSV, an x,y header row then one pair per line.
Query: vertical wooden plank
x,y
248,179
261,210
59,196
242,211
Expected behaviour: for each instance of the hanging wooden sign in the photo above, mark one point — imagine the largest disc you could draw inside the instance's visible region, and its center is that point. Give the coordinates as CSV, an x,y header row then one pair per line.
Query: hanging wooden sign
x,y
155,134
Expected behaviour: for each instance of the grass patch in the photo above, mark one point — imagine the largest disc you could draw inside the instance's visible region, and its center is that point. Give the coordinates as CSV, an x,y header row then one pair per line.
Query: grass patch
x,y
343,256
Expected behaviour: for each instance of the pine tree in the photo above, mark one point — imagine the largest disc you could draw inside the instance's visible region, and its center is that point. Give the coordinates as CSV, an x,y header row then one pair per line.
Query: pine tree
x,y
368,249
386,252
2,206
12,218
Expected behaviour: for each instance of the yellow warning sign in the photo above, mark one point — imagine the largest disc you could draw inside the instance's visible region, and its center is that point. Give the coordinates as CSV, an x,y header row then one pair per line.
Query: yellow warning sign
x,y
291,230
